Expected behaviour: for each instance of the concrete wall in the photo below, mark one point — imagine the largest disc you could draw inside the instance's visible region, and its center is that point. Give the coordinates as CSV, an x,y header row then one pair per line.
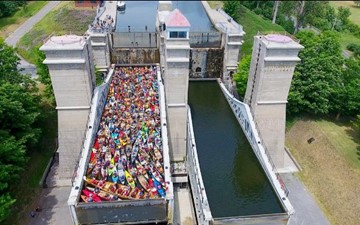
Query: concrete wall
x,y
100,50
205,39
209,60
123,212
71,127
135,56
177,119
272,219
71,90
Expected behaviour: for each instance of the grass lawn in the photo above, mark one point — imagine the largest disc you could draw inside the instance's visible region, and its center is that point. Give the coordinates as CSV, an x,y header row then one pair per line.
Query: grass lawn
x,y
253,24
347,38
331,165
216,4
63,19
10,24
355,11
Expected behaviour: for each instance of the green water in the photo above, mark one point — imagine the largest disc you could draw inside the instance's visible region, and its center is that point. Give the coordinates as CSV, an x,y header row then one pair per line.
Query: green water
x,y
234,180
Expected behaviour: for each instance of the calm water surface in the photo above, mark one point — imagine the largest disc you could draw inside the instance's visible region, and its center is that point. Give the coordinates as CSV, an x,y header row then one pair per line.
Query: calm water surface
x,y
234,181
139,14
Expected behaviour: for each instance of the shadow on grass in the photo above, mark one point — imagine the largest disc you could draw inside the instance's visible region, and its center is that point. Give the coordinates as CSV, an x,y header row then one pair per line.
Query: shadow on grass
x,y
354,133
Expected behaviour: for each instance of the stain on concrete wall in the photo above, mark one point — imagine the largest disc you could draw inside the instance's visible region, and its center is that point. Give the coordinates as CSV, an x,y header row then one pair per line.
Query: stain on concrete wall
x,y
206,62
135,55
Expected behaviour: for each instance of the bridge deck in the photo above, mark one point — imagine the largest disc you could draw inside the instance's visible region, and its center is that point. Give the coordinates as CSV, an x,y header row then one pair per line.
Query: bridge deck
x,y
234,180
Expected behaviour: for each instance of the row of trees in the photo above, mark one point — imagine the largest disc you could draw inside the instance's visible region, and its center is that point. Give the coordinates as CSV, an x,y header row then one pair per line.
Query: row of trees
x,y
324,81
19,111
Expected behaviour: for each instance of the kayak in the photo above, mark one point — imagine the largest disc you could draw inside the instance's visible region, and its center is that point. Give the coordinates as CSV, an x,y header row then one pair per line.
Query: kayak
x,y
130,179
92,195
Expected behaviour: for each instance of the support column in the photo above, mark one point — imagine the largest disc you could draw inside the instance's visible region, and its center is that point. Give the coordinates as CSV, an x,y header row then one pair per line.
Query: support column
x,y
70,62
176,48
272,66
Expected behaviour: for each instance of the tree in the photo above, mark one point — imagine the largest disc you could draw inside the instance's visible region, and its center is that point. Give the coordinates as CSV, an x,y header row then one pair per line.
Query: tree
x,y
241,75
304,12
317,78
7,8
19,111
275,11
349,104
44,77
343,17
232,8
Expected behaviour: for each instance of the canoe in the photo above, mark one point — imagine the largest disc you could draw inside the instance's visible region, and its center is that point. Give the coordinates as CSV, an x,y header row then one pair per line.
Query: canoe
x,y
129,179
122,191
141,169
121,173
157,153
134,153
159,167
144,183
115,178
85,198
90,194
102,194
159,188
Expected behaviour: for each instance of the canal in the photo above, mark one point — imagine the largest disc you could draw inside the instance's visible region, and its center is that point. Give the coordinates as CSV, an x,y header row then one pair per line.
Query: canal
x,y
234,181
139,14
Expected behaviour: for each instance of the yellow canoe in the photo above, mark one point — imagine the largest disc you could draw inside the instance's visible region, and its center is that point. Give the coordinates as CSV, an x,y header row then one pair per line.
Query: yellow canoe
x,y
129,179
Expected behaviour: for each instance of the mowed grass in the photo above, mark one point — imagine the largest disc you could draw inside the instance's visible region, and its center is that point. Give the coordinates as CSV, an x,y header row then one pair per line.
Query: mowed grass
x,y
331,166
355,11
63,19
253,24
347,38
216,4
10,24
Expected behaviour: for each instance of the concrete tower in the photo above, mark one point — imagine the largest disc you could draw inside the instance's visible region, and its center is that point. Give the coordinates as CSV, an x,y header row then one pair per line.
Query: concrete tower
x,y
176,48
69,59
272,67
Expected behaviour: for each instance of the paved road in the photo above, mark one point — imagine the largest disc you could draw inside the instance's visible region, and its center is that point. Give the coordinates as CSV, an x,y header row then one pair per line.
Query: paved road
x,y
25,27
307,212
13,38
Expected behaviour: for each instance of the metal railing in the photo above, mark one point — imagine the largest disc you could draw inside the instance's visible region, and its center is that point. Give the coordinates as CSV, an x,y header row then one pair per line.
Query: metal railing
x,y
278,176
134,39
252,137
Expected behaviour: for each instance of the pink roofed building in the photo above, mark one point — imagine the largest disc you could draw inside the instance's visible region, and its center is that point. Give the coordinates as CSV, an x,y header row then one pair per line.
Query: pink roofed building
x,y
176,19
177,26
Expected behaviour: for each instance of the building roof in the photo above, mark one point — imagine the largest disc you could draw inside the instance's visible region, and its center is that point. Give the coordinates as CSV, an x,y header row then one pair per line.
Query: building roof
x,y
176,19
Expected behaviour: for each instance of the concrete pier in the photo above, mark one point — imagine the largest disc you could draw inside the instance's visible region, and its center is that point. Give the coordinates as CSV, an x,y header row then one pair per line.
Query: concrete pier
x,y
273,62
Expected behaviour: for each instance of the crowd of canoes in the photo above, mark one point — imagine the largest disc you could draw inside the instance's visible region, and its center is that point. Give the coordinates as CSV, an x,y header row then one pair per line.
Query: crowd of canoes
x,y
126,160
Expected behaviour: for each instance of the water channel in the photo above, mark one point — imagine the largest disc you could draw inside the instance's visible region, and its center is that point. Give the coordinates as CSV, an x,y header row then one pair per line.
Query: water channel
x,y
234,180
139,14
